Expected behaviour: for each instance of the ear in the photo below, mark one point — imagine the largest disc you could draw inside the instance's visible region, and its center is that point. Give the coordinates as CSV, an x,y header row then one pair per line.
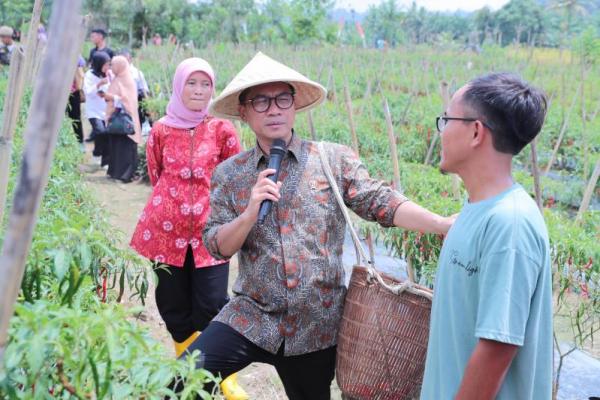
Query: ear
x,y
479,134
242,111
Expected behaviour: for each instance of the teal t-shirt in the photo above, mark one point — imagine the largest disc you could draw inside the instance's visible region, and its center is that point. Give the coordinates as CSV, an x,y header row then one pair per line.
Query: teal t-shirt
x,y
493,282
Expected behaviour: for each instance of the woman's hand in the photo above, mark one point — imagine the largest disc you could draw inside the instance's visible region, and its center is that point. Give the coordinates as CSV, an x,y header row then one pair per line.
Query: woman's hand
x,y
102,82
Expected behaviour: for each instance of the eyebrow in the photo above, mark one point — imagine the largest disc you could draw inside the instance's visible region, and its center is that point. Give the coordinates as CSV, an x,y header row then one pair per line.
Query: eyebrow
x,y
266,95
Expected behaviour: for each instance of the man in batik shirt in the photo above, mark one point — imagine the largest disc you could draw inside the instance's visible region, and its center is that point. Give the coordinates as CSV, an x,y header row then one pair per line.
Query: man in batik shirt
x,y
290,289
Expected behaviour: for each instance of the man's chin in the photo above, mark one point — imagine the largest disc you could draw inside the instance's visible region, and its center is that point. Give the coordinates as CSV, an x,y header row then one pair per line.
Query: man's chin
x,y
277,132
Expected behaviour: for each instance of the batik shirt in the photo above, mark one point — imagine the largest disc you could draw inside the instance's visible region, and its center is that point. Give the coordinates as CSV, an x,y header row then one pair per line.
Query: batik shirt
x,y
180,166
290,288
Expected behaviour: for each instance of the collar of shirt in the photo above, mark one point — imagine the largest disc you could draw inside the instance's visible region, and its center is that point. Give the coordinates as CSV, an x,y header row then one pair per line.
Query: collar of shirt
x,y
294,149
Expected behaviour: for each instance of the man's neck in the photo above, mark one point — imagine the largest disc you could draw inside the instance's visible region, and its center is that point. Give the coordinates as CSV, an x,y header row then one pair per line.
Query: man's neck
x,y
488,178
101,46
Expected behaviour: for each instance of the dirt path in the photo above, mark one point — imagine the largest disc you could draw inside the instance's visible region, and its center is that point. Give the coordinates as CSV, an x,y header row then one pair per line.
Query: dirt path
x,y
124,203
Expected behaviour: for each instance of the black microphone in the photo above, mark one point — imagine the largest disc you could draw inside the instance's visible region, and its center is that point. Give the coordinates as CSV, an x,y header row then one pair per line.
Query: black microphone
x,y
276,154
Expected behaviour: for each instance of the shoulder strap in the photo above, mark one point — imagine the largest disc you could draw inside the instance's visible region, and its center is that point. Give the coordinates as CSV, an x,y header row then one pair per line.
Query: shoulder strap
x,y
360,252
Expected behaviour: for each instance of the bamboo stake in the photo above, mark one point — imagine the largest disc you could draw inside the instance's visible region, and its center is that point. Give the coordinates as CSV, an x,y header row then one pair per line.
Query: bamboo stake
x,y
331,88
10,114
31,46
348,100
392,141
356,149
536,174
311,125
445,93
561,135
396,183
589,191
45,116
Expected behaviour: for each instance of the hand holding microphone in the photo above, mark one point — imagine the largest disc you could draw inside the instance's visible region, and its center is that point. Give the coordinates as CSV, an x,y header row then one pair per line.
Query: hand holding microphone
x,y
266,190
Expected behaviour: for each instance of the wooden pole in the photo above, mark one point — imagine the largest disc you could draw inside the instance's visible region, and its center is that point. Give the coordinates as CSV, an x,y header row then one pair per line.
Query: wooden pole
x,y
563,130
536,174
31,46
355,147
445,93
311,125
392,141
589,191
12,105
348,100
331,85
46,113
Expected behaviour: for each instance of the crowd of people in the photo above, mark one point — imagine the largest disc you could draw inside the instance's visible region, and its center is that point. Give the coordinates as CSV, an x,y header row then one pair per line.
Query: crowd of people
x,y
491,319
113,90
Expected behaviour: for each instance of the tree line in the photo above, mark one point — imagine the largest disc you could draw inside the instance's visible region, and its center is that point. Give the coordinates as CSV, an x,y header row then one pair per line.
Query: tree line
x,y
551,23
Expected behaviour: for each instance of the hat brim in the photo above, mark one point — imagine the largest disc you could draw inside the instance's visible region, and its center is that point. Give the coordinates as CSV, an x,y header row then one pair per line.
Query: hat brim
x,y
262,70
308,95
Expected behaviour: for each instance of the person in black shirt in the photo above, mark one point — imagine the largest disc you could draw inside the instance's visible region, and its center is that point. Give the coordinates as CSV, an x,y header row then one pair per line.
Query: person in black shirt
x,y
98,37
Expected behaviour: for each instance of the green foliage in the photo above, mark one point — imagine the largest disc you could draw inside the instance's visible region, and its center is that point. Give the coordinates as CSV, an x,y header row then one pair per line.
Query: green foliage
x,y
588,47
91,350
296,22
69,337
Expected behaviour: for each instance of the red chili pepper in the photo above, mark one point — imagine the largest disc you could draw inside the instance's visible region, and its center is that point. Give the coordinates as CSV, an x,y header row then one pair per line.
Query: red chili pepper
x,y
104,282
584,290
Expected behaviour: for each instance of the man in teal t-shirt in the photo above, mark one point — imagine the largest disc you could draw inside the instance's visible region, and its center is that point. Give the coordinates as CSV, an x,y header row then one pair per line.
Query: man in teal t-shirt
x,y
491,321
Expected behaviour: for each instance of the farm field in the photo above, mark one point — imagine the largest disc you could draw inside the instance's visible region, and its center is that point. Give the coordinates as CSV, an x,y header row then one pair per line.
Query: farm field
x,y
85,324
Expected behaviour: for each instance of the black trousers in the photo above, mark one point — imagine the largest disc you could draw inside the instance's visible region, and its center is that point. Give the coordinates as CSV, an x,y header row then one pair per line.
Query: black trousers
x,y
305,377
123,161
74,112
188,298
101,140
142,110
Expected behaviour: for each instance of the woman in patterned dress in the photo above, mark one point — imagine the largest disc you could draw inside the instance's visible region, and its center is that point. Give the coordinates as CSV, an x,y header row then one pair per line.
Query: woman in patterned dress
x,y
183,149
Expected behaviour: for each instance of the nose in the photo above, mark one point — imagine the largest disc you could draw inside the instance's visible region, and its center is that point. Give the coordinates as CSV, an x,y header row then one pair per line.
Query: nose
x,y
273,108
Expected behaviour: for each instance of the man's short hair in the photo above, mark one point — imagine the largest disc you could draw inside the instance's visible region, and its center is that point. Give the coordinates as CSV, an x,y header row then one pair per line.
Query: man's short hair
x,y
100,31
513,109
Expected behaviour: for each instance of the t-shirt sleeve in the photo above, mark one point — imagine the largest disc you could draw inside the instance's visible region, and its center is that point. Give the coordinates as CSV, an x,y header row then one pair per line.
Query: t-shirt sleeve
x,y
507,283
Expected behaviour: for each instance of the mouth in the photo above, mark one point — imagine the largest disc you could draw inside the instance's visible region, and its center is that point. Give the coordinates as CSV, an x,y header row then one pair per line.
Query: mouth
x,y
275,124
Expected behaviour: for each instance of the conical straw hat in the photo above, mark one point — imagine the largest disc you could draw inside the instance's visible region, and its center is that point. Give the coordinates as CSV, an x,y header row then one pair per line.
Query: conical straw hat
x,y
262,69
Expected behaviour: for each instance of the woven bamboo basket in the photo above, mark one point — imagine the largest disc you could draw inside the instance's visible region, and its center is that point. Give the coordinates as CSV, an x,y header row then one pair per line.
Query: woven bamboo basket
x,y
382,340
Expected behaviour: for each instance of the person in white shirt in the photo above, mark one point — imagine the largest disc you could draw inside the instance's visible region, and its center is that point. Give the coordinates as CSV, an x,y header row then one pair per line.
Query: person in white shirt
x,y
95,85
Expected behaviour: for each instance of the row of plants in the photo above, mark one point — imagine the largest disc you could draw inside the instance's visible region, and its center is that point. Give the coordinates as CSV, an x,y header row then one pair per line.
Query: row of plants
x,y
410,78
70,337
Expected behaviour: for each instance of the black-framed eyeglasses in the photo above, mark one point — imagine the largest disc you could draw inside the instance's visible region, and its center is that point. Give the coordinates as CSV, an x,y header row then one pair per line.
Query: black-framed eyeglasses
x,y
442,121
261,103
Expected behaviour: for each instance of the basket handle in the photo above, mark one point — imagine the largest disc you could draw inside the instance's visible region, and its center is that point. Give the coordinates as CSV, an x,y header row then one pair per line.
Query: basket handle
x,y
408,285
360,251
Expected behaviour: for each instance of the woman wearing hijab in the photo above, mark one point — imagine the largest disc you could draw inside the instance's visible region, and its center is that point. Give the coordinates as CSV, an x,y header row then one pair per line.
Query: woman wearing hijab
x,y
122,94
182,151
95,84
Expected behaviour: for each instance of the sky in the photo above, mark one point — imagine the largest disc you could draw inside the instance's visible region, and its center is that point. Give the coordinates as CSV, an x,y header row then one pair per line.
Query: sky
x,y
433,5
